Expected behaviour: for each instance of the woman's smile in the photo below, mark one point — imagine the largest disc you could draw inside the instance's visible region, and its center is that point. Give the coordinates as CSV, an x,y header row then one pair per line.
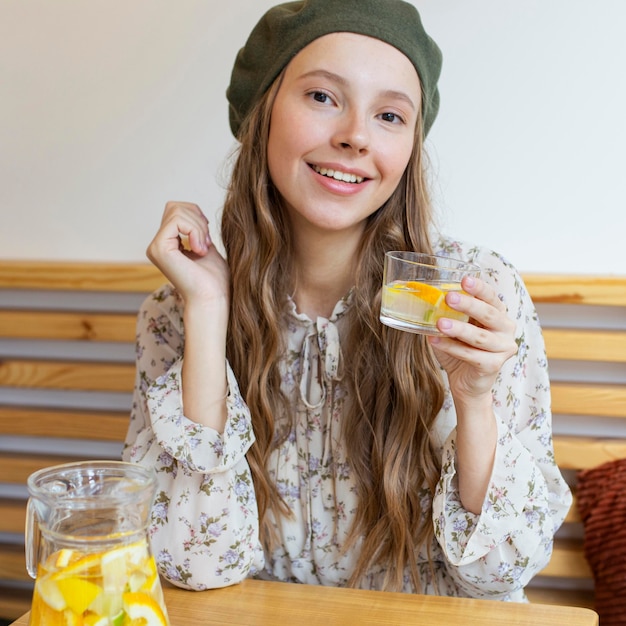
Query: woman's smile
x,y
338,174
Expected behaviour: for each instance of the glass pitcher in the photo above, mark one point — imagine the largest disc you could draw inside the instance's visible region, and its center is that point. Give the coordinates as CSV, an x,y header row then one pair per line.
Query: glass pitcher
x,y
87,546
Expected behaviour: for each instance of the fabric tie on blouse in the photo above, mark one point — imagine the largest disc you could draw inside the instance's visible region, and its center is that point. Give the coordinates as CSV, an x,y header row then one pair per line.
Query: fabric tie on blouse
x,y
322,363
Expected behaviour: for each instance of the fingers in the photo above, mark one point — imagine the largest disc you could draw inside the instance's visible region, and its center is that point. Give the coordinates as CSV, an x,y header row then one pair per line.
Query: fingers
x,y
485,306
184,228
489,339
191,224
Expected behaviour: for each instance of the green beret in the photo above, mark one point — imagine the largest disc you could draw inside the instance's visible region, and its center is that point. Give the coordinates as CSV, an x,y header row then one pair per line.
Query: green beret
x,y
287,28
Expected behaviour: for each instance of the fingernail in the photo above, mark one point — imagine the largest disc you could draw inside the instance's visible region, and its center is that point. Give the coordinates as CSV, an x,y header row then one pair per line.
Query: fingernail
x,y
445,324
453,298
470,281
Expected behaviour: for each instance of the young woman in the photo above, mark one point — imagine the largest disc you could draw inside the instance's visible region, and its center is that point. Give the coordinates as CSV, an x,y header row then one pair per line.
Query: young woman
x,y
294,436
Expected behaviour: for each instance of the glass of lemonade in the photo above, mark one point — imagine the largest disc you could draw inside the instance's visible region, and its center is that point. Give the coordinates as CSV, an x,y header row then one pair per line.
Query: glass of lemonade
x,y
415,287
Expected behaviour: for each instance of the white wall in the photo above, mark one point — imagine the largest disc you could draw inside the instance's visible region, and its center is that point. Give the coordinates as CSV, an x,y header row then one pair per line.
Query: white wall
x,y
108,108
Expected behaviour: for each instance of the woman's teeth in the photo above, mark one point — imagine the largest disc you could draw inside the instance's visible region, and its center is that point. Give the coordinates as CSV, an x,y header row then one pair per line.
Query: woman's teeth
x,y
337,175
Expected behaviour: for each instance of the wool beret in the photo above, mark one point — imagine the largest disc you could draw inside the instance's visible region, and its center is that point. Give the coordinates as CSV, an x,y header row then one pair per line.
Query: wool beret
x,y
287,28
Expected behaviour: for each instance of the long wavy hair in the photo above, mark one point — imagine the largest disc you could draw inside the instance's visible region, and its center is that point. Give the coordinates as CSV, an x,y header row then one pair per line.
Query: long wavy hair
x,y
392,377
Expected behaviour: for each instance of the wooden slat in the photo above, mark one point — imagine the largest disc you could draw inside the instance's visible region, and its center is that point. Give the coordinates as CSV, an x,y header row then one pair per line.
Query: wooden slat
x,y
143,277
16,324
564,597
585,345
13,563
12,516
14,602
578,453
42,422
573,516
81,276
27,373
568,561
16,468
575,289
589,399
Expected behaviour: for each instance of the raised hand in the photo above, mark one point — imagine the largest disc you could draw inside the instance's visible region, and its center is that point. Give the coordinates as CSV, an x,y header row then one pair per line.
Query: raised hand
x,y
472,353
182,249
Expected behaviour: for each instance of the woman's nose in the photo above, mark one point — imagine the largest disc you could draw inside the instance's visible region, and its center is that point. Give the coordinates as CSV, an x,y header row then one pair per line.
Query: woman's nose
x,y
353,133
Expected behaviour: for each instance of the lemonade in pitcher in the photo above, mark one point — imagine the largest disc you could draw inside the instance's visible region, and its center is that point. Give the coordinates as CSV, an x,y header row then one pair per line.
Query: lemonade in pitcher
x,y
119,587
87,546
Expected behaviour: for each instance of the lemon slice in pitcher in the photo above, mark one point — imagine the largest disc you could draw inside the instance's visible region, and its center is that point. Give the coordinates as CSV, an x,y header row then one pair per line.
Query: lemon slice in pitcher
x,y
78,593
50,593
141,606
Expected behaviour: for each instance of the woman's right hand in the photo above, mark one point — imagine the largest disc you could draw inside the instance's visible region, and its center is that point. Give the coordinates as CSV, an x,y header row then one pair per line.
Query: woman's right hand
x,y
197,270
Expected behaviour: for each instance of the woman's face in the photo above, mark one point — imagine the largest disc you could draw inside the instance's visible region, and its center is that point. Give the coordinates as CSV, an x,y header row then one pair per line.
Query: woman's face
x,y
342,131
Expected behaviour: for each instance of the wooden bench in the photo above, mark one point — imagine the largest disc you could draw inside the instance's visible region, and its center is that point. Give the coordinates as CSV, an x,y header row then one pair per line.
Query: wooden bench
x,y
67,334
584,323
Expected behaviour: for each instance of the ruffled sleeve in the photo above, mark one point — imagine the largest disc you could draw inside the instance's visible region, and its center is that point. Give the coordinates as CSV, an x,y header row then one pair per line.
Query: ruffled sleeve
x,y
496,553
204,528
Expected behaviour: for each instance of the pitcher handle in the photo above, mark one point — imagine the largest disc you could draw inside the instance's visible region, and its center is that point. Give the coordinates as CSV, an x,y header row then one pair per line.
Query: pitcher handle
x,y
32,536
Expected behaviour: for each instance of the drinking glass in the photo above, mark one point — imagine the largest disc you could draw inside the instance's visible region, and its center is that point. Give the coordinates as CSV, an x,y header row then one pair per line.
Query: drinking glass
x,y
415,287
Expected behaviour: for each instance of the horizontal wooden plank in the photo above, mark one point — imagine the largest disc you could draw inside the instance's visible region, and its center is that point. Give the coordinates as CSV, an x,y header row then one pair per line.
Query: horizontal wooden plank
x,y
30,373
80,276
71,424
573,516
578,453
564,597
119,327
585,345
16,468
577,289
589,399
12,516
14,602
567,561
13,563
144,277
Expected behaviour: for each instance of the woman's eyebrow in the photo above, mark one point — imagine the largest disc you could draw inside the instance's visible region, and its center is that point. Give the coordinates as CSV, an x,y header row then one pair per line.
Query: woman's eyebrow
x,y
387,93
325,74
399,95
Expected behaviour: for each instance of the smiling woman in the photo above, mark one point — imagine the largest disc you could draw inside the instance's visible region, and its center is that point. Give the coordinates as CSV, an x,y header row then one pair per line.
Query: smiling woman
x,y
330,449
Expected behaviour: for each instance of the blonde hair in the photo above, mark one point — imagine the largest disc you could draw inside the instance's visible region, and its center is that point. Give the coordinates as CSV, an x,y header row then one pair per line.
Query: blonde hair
x,y
392,376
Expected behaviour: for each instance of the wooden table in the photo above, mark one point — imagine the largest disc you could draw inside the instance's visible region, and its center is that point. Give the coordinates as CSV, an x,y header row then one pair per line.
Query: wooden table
x,y
258,603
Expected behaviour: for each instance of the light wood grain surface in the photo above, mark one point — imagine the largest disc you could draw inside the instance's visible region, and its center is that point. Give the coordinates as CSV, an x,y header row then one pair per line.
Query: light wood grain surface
x,y
257,603
95,276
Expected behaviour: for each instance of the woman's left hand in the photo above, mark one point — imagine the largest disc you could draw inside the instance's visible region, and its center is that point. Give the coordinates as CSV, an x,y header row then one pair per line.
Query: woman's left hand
x,y
472,353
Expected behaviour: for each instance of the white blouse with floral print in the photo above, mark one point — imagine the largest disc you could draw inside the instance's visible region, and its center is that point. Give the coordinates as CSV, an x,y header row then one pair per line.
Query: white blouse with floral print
x,y
205,531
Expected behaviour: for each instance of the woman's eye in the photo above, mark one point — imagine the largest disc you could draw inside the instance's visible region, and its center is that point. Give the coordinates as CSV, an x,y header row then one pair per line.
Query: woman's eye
x,y
391,117
320,96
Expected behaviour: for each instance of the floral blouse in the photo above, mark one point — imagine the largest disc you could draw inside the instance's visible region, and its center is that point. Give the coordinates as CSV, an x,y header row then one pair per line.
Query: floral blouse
x,y
204,528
